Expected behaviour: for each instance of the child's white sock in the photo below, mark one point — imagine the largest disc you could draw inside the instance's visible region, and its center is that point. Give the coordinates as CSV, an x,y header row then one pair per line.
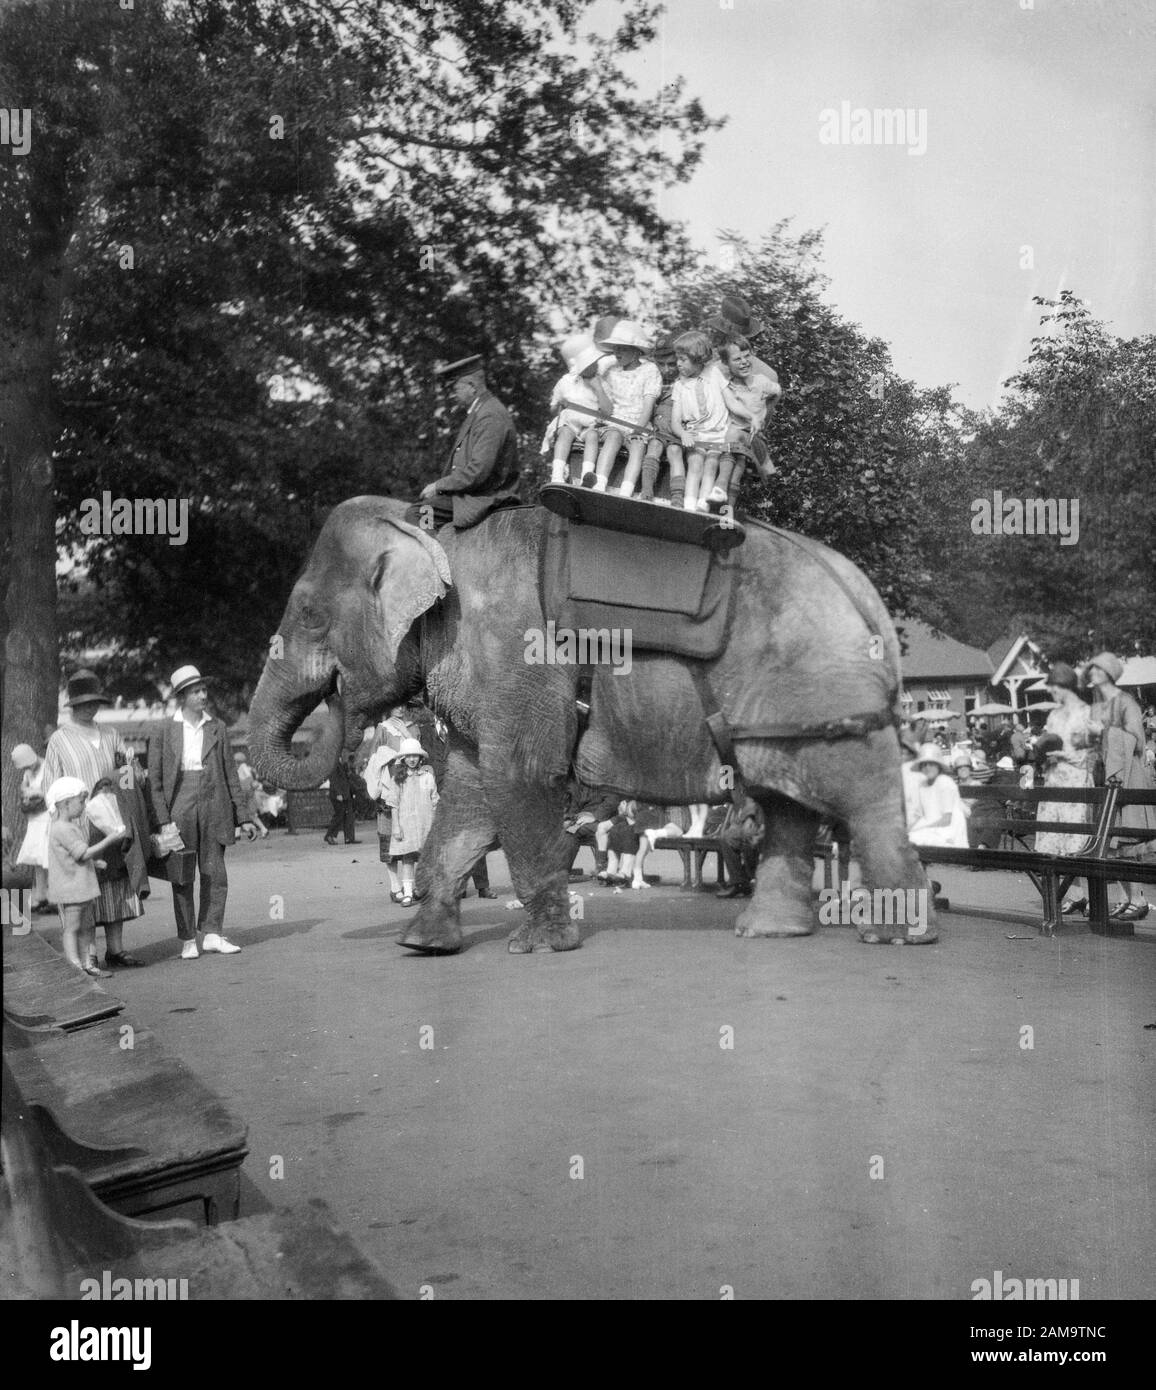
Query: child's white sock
x,y
599,484
559,472
626,490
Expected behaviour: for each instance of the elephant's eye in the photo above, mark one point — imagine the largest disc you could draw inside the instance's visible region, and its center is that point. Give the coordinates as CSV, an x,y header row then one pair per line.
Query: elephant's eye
x,y
310,619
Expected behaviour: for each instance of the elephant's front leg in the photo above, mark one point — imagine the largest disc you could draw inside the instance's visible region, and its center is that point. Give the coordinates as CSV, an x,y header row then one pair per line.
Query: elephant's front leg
x,y
529,817
462,831
782,905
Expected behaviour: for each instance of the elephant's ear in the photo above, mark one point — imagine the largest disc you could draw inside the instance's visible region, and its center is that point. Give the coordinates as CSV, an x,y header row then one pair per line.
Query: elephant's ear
x,y
409,582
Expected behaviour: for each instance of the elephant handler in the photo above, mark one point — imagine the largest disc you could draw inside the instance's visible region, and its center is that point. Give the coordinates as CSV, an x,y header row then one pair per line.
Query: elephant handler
x,y
484,464
194,788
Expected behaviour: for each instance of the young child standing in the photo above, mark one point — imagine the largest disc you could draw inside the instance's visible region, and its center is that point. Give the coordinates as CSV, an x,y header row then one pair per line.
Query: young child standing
x,y
634,386
411,793
758,393
72,866
580,386
376,783
667,364
702,407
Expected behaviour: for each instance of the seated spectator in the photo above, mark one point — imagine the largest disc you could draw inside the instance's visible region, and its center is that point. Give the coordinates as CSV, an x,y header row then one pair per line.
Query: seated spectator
x,y
741,836
586,809
940,815
622,840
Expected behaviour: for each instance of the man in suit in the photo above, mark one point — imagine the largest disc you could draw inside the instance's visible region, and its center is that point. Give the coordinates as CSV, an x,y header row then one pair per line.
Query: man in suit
x,y
483,472
194,788
341,799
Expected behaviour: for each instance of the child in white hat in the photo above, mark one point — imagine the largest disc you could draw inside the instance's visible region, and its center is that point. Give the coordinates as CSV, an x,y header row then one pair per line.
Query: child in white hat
x,y
634,385
72,866
580,386
411,793
376,780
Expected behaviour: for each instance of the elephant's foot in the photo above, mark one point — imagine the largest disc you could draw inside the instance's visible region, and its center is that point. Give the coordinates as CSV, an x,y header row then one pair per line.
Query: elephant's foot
x,y
544,936
435,931
898,935
756,920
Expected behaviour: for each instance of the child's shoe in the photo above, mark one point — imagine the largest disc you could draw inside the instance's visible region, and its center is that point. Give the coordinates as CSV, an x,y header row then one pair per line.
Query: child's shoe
x,y
626,490
590,478
599,484
716,497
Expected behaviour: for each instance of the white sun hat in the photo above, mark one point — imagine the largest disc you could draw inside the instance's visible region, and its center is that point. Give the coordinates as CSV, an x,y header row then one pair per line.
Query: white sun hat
x,y
62,789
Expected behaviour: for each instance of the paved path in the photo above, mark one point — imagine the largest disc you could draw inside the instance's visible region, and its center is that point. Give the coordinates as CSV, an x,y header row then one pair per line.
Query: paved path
x,y
456,1165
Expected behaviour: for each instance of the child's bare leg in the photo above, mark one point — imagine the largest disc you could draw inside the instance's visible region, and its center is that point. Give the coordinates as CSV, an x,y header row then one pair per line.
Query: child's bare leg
x,y
589,450
602,835
718,494
698,814
694,462
70,937
610,446
405,869
634,453
559,472
736,479
644,848
677,474
611,870
626,866
709,473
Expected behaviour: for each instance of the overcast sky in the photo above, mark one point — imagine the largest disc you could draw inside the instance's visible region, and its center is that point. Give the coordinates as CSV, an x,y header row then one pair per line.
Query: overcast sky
x,y
1040,132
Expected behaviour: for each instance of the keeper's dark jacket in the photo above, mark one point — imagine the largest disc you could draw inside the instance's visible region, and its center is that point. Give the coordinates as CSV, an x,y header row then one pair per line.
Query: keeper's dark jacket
x,y
484,467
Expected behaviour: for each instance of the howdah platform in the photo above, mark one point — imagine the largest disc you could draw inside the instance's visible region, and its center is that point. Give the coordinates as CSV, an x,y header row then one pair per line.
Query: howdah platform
x,y
589,508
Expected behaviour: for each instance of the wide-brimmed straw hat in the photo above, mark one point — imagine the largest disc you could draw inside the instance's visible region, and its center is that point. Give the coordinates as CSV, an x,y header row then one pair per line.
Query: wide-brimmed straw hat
x,y
626,333
580,352
735,316
84,688
932,753
184,676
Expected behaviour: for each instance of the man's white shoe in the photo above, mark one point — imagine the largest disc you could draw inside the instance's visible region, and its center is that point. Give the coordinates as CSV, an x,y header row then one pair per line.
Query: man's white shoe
x,y
189,951
218,945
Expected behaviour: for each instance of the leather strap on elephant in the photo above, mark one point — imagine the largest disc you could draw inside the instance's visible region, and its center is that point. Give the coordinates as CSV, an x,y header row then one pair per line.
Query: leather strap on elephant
x,y
723,734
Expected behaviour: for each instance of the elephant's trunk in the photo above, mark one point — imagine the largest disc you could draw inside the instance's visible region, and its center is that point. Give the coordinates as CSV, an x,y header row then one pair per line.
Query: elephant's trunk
x,y
276,713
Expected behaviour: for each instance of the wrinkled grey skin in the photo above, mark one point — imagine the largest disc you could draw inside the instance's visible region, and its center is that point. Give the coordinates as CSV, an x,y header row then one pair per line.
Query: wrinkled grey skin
x,y
799,652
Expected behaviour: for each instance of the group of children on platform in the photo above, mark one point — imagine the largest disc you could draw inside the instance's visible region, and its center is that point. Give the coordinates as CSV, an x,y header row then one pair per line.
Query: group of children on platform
x,y
697,400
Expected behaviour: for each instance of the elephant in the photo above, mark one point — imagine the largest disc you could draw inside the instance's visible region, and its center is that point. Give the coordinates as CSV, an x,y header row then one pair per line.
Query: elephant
x,y
378,616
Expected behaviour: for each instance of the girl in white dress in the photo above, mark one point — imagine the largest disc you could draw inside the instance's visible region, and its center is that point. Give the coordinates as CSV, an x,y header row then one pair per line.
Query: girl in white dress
x,y
34,848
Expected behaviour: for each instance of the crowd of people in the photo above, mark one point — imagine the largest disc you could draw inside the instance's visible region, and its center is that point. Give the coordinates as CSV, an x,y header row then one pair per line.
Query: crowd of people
x,y
1096,734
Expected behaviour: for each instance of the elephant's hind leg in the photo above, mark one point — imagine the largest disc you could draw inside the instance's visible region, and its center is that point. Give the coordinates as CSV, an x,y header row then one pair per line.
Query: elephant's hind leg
x,y
782,905
462,831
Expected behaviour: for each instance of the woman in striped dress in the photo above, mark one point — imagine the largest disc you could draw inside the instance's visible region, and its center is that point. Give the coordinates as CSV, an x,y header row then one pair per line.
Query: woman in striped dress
x,y
82,750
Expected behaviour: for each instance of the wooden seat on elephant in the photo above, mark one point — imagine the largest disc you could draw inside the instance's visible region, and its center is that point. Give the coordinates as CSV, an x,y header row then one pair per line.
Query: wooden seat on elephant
x,y
42,991
56,1233
585,507
138,1125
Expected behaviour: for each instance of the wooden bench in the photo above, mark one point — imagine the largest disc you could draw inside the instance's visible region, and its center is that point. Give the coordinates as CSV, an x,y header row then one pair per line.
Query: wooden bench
x,y
832,852
1053,874
43,992
57,1233
134,1121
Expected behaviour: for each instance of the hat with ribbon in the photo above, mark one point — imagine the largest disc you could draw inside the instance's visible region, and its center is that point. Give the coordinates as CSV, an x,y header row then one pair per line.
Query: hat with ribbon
x,y
183,677
84,688
626,333
62,789
24,755
1111,665
735,316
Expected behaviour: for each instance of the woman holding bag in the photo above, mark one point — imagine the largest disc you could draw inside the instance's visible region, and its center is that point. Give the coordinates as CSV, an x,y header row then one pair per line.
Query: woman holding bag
x,y
81,750
1122,749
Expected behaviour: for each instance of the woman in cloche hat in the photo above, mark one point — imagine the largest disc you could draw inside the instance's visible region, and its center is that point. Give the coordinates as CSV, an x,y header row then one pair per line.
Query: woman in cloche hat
x,y
79,749
1122,748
